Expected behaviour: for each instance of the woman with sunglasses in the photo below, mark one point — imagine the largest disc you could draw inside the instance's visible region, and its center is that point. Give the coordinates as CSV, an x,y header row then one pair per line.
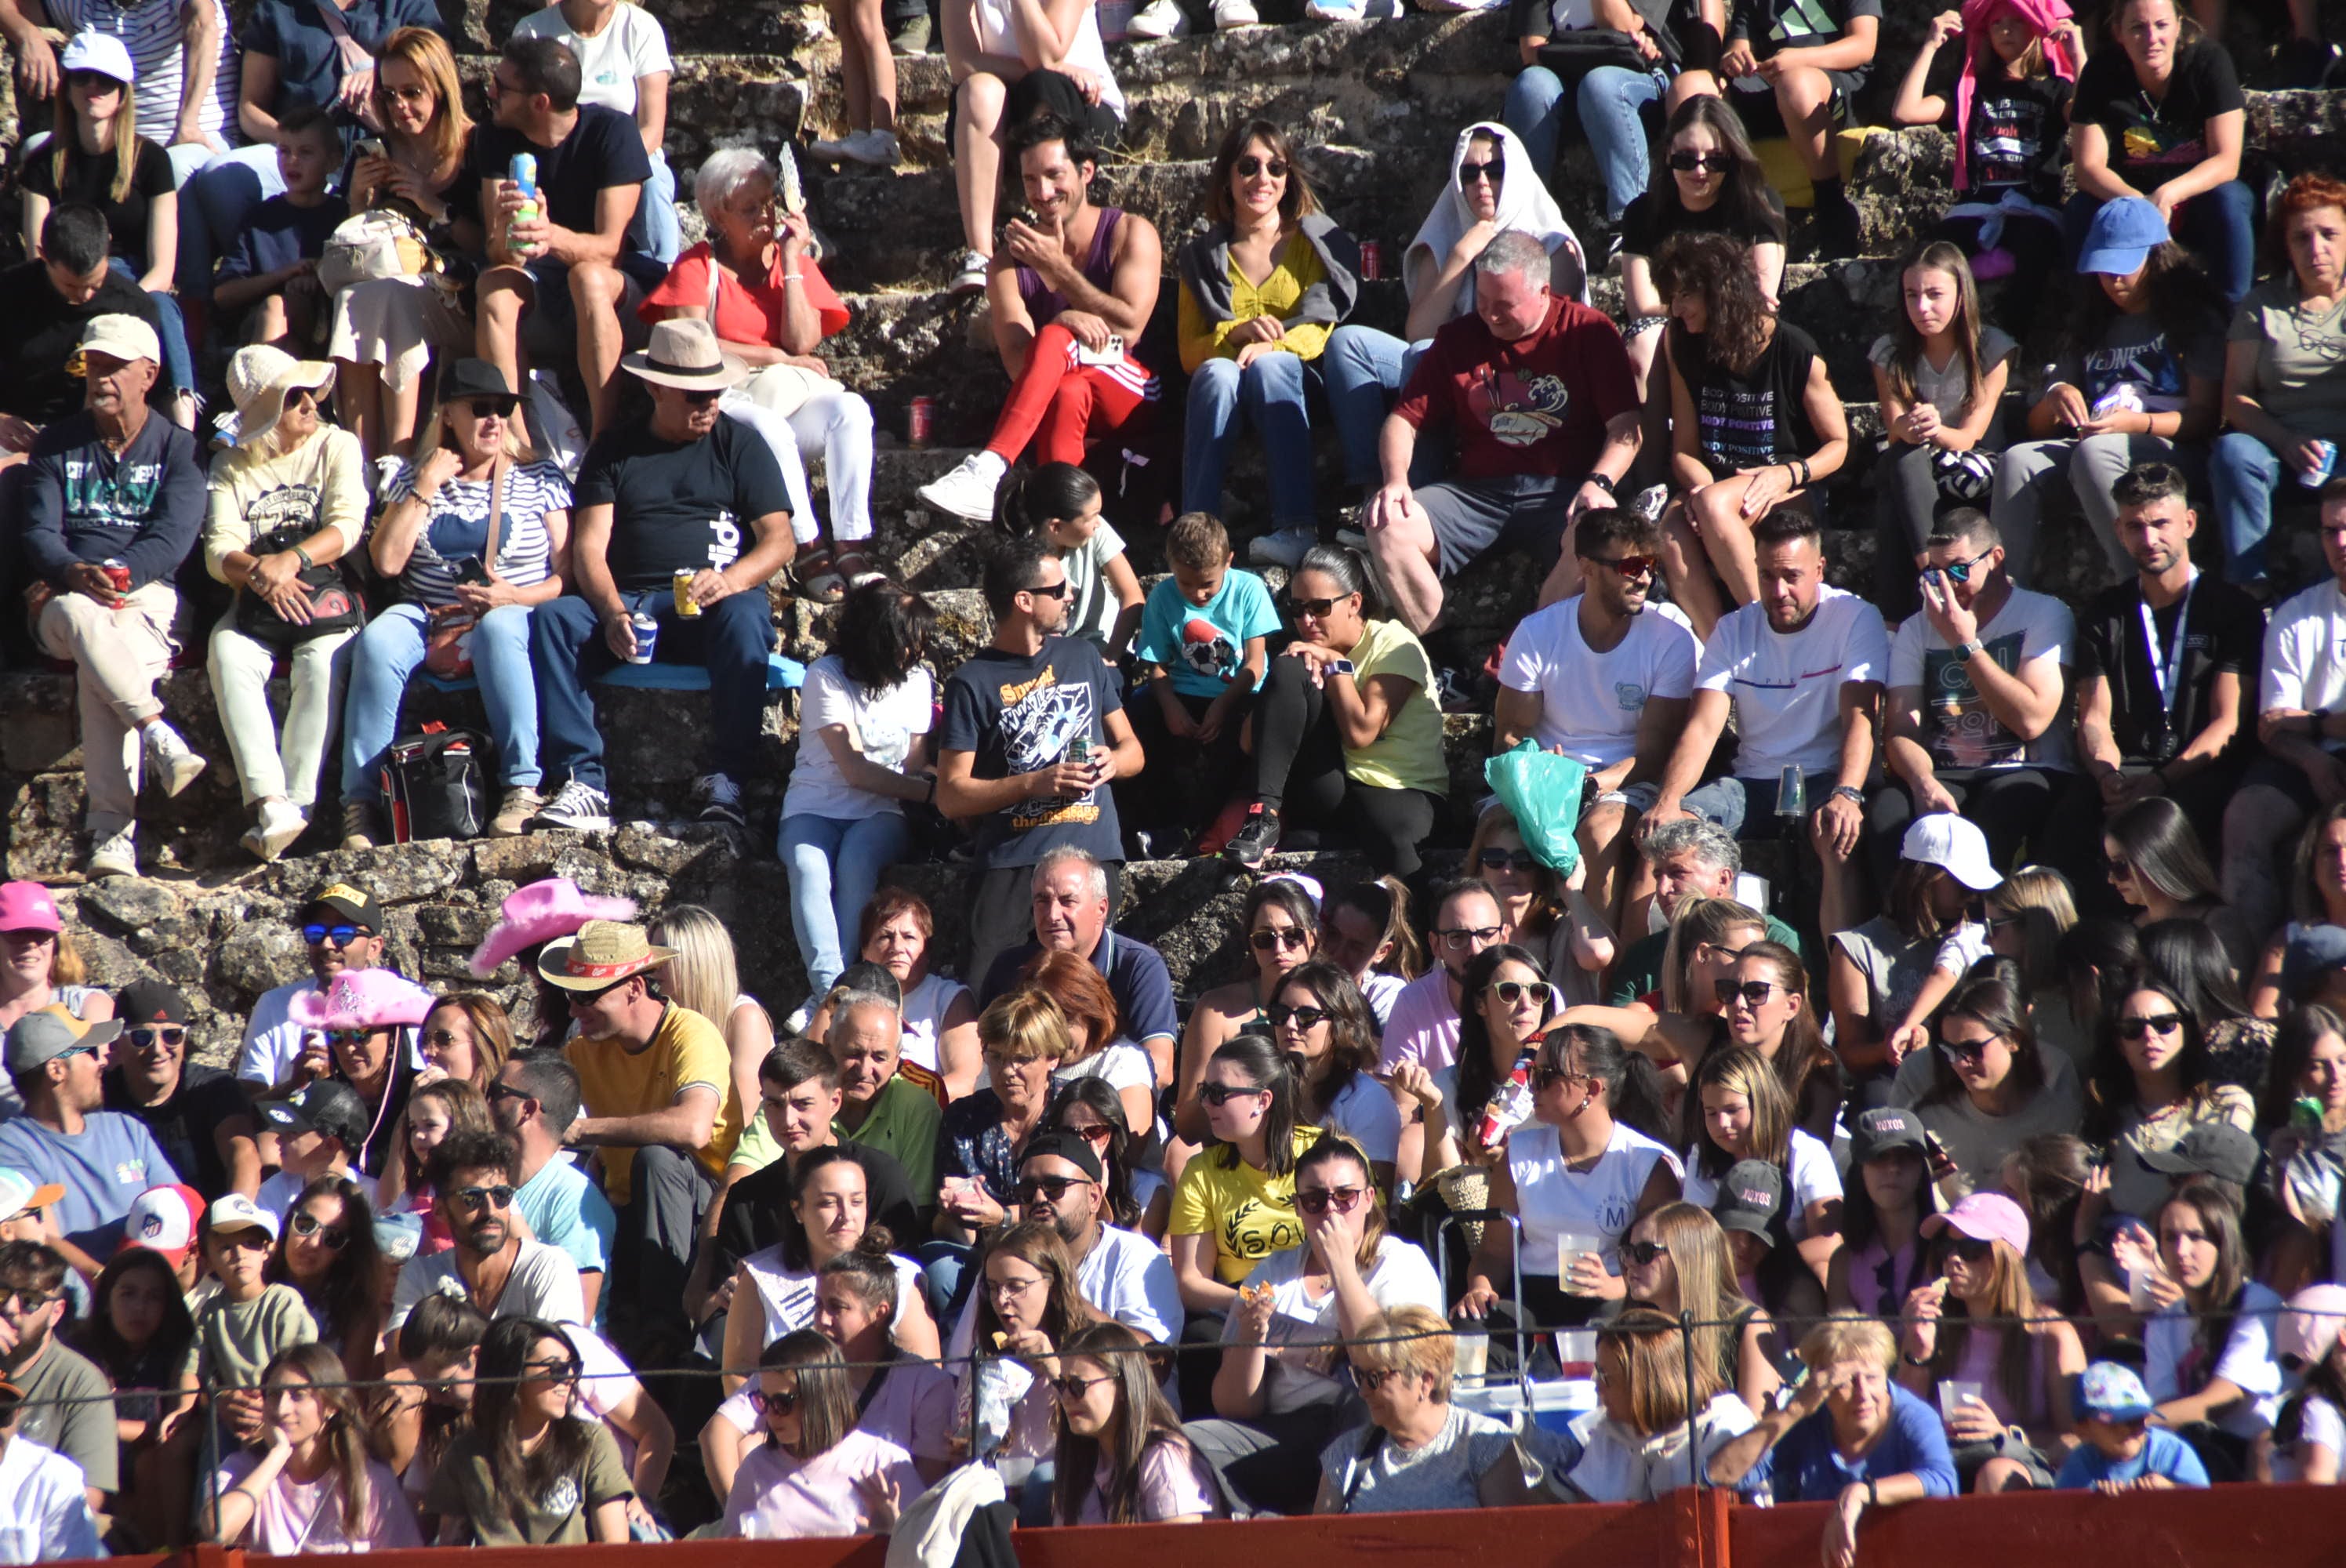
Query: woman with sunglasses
x,y
1097,1049
1997,1363
1319,1019
2150,1087
1986,1088
1123,1457
1674,1260
309,1483
1541,910
1137,1199
532,1472
1736,1109
817,1473
1767,1008
2191,956
434,1111
1280,927
327,1252
1505,1003
1234,1204
1418,1450
1881,969
1278,1392
39,967
2207,1350
476,476
352,1032
2027,916
2159,870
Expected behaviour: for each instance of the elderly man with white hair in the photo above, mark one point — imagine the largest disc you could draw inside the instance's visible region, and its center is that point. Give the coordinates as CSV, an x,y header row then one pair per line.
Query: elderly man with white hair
x,y
755,277
1073,902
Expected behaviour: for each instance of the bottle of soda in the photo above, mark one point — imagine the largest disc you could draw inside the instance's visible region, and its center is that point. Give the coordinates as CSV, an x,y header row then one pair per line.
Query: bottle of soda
x,y
1511,1107
522,172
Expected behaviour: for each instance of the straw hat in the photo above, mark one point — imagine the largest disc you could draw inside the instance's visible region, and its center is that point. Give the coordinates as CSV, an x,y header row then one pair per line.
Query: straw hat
x,y
602,955
686,354
260,379
540,913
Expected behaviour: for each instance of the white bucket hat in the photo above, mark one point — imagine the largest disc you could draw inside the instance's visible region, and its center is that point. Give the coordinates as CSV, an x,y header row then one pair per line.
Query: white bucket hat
x,y
260,379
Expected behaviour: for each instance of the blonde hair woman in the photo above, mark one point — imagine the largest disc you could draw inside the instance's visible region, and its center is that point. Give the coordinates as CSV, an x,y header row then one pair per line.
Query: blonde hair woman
x,y
706,978
1676,1260
1023,1038
1660,1418
1419,1450
289,497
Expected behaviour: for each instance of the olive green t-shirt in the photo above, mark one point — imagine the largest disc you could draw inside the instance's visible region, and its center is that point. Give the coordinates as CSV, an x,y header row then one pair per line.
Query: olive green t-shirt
x,y
2300,370
557,1516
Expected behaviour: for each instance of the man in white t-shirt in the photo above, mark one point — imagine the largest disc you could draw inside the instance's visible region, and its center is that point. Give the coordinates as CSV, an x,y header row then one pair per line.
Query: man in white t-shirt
x,y
1122,1274
472,1177
1978,718
1601,678
1802,668
624,66
45,1514
2301,720
342,925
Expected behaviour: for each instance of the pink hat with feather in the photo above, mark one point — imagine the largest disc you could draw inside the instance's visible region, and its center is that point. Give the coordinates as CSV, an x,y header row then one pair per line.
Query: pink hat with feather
x,y
539,914
362,999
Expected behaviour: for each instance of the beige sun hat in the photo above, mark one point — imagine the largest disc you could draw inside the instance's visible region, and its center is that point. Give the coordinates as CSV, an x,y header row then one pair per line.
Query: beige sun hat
x,y
602,955
260,379
687,354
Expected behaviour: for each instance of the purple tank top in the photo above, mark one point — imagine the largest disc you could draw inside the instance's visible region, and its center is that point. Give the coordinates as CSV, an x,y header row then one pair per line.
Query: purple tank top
x,y
1043,304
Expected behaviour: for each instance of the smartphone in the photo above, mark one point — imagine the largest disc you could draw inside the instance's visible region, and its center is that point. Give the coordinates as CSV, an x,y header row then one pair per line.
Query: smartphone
x,y
371,147
1111,354
1937,1152
474,570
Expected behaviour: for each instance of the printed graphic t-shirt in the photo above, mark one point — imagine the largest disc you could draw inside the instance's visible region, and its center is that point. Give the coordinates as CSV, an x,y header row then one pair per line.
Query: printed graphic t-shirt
x,y
1020,713
1957,726
678,507
1535,407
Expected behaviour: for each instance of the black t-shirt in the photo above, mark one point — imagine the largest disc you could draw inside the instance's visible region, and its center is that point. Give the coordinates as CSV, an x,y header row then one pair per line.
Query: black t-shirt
x,y
1020,715
1773,25
90,180
2018,134
603,149
756,1213
680,507
2224,633
1754,419
38,332
1647,220
183,1124
2151,142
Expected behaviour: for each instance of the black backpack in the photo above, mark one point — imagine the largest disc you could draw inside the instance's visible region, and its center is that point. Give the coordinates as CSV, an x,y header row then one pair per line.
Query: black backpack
x,y
435,784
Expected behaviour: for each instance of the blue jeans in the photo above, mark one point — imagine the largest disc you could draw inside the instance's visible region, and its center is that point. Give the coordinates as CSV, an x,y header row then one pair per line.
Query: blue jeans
x,y
2217,227
1269,393
2243,471
1610,99
179,364
1365,369
835,863
223,194
391,649
661,230
730,637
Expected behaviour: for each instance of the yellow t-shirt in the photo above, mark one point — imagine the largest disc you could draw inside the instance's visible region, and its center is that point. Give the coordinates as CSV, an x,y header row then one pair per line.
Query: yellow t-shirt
x,y
686,1050
1408,754
1249,1213
1278,297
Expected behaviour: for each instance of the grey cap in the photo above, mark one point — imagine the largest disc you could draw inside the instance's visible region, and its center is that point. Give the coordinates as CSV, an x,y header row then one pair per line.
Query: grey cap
x,y
49,1032
1750,1196
2211,1148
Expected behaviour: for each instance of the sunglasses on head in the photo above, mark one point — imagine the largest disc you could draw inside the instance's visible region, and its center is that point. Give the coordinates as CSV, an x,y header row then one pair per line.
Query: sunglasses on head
x,y
2155,1023
1755,991
1494,169
1051,1189
1521,861
1249,165
149,1036
310,1225
340,935
1642,1252
1698,162
1319,1200
497,1197
761,1401
1285,937
1625,566
1223,1094
1318,609
1306,1017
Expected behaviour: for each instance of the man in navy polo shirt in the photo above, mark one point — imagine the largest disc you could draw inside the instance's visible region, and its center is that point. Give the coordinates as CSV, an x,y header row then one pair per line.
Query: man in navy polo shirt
x,y
1071,916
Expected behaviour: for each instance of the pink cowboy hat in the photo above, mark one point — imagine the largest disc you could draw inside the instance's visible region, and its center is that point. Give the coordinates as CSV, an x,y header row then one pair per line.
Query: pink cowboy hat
x,y
539,914
362,999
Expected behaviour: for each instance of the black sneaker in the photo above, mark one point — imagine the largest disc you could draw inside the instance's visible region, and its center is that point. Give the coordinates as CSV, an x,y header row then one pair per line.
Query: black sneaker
x,y
1838,235
720,799
1256,836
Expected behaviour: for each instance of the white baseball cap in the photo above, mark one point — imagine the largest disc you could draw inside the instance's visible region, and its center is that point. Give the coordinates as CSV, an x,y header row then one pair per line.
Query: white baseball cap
x,y
100,52
1955,845
234,1211
19,1192
127,338
163,1220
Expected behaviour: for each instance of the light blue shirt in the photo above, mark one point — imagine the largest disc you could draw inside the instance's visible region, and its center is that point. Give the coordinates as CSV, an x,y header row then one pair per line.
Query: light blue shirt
x,y
104,1166
2163,1453
565,1210
1202,646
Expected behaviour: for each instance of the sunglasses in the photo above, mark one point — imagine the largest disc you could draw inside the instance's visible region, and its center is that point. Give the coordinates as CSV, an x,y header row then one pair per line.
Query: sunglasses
x,y
1264,941
1317,609
1549,1077
700,397
497,1197
2118,866
1466,936
1251,166
1642,1253
1371,1380
1954,571
494,408
340,935
1969,1248
1051,1189
557,1371
1494,170
350,1036
1072,1388
761,1401
444,1037
1319,1200
1755,991
501,1090
92,81
1521,861
171,1036
1699,162
2156,1023
1625,566
1301,1017
1223,1094
76,1051
1097,1132
1057,590
28,1301
309,1225
1965,1050
1513,991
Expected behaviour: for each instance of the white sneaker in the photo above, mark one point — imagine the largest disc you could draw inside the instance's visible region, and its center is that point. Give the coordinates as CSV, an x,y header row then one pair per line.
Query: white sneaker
x,y
177,767
968,489
577,807
1650,501
116,854
1230,13
1284,548
876,147
720,797
1333,11
1158,19
971,279
280,823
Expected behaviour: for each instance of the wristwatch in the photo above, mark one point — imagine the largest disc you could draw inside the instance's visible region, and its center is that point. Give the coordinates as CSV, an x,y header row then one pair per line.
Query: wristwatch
x,y
1850,792
1969,649
1602,482
1337,666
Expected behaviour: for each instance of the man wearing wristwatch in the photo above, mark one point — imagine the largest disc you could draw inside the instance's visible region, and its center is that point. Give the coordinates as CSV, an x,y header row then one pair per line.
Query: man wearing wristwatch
x,y
1978,719
1801,666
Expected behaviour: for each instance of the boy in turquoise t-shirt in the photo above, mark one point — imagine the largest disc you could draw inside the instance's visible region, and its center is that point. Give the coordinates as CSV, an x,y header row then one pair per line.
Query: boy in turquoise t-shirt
x,y
1204,644
2121,1450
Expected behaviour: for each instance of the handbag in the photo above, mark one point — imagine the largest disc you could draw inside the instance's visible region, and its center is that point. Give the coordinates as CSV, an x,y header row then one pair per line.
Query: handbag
x,y
333,608
381,242
435,783
778,389
448,640
1574,53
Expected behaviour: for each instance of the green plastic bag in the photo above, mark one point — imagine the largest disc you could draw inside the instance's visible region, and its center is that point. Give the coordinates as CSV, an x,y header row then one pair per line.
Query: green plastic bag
x,y
1542,790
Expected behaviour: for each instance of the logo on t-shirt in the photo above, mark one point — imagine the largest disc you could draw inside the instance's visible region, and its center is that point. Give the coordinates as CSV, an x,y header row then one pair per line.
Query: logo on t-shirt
x,y
724,539
1205,650
559,1499
1629,695
1040,720
126,496
1518,410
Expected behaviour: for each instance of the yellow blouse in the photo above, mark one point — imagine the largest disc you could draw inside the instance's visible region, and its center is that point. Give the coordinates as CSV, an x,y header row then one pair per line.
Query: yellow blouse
x,y
1277,297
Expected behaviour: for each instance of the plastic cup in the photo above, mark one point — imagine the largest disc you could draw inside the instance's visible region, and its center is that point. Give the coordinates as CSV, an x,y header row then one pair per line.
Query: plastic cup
x,y
1953,1394
1575,1352
1570,1247
1472,1353
2138,1296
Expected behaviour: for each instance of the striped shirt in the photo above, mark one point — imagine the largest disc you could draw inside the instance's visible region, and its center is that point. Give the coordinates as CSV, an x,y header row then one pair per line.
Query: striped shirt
x,y
459,530
150,30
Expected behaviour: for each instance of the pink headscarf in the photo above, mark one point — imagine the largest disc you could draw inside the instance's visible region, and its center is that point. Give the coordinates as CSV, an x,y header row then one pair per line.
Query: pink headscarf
x,y
2042,14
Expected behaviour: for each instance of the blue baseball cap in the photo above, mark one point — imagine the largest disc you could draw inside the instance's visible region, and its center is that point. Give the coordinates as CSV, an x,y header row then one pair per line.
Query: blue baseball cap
x,y
2122,236
2107,1391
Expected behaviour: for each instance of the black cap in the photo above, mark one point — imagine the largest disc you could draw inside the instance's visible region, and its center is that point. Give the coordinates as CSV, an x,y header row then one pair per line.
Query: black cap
x,y
876,978
468,379
1067,1146
2211,1148
1750,1196
350,901
1884,1131
144,1001
328,1107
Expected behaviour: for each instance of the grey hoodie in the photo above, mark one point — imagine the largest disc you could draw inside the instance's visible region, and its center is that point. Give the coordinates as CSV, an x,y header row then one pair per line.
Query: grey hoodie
x,y
1206,272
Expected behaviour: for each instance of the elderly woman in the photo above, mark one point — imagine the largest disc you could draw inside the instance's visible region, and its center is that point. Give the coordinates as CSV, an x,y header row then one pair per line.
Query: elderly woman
x,y
756,280
286,501
1261,291
386,329
2280,373
476,532
1023,1037
1419,1450
1851,1436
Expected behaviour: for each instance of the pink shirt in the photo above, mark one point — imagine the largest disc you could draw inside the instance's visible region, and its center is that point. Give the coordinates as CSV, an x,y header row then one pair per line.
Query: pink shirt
x,y
783,1498
1174,1485
1423,1027
293,1517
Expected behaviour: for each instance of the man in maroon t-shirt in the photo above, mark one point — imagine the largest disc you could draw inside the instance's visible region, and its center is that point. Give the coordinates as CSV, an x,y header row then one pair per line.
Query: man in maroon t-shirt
x,y
1538,391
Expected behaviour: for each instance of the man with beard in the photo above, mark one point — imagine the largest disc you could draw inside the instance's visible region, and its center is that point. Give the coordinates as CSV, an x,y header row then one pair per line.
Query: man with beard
x,y
473,1175
202,1122
1122,1274
342,925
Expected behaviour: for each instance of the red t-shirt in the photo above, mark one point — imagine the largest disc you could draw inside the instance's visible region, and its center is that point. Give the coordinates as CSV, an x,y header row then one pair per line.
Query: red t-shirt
x,y
1537,407
747,312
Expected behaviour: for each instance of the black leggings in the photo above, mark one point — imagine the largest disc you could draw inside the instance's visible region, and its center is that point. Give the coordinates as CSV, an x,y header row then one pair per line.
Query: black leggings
x,y
1299,768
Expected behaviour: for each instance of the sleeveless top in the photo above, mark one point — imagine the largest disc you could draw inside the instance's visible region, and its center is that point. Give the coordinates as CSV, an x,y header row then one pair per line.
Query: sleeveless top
x,y
786,1295
1982,1351
1551,1198
1044,304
